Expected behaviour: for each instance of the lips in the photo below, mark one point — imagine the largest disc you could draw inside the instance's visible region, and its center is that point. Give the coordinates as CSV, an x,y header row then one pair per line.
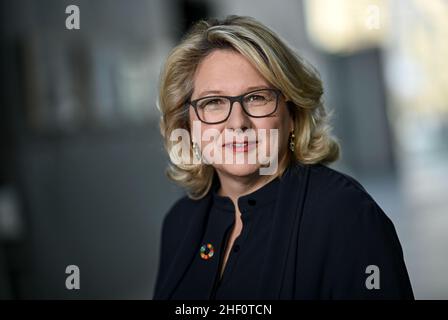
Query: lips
x,y
243,146
238,143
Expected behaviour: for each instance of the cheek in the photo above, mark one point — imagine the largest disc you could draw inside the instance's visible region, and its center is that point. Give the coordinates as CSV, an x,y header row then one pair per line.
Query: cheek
x,y
202,131
284,125
281,124
278,123
208,133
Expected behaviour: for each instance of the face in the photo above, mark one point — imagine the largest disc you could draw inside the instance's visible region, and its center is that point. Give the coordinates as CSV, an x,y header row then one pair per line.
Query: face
x,y
228,73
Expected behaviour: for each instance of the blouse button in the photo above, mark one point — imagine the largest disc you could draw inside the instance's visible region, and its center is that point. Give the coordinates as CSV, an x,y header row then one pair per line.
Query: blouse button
x,y
251,202
236,248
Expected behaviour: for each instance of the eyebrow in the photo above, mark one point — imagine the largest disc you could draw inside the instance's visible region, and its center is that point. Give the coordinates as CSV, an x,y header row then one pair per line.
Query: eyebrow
x,y
248,89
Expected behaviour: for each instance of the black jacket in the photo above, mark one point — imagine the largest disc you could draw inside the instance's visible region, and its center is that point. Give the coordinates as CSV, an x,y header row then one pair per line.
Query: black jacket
x,y
327,231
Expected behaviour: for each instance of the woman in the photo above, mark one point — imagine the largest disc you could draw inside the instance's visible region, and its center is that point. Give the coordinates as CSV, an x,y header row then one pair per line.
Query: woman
x,y
268,220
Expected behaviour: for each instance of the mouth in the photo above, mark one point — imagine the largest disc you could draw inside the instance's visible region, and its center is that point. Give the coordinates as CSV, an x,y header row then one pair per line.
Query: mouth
x,y
244,146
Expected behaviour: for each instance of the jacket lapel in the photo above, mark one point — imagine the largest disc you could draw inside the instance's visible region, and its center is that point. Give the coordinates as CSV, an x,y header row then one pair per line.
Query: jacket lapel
x,y
288,213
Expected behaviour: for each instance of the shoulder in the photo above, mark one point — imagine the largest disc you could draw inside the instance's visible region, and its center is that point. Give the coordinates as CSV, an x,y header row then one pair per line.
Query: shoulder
x,y
173,228
344,224
338,198
178,210
178,215
334,184
339,213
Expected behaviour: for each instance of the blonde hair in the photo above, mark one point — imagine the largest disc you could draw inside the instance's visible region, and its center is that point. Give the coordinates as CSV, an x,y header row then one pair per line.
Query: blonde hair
x,y
277,63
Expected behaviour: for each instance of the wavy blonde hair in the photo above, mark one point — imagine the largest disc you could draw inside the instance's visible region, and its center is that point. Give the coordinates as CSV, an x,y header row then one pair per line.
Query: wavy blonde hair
x,y
277,63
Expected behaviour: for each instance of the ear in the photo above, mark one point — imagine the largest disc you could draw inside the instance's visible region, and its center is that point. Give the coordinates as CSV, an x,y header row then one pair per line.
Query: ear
x,y
190,116
292,115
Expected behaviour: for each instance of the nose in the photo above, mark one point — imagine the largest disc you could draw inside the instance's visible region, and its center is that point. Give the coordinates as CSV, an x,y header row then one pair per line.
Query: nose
x,y
238,119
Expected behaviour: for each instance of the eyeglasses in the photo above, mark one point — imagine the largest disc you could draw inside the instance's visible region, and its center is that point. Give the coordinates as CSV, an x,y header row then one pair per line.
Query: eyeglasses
x,y
216,109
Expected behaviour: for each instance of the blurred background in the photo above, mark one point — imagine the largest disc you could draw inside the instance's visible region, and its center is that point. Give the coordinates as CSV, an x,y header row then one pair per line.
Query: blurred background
x,y
82,164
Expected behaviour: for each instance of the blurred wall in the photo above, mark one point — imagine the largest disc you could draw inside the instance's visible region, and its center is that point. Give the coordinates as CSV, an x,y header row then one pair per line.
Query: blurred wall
x,y
86,161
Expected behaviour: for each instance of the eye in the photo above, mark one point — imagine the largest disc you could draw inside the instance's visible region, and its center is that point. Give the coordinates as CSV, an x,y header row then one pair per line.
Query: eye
x,y
212,103
256,98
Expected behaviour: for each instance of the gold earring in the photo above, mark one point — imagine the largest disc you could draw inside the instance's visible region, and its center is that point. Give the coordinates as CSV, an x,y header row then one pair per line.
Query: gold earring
x,y
292,143
196,151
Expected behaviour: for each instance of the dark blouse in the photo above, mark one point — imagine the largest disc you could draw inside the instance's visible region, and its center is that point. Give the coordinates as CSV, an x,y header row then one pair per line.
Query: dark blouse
x,y
241,273
314,233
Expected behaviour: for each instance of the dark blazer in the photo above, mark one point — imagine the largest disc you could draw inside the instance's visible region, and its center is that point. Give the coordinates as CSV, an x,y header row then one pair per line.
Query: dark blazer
x,y
327,230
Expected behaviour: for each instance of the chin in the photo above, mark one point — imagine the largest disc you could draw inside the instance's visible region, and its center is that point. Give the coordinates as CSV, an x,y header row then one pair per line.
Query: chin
x,y
239,170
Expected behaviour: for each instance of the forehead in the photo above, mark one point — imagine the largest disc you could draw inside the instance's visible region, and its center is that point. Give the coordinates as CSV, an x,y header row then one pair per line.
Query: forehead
x,y
228,72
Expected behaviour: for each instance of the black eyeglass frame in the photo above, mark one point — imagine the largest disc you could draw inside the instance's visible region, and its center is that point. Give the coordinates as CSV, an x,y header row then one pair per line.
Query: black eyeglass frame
x,y
234,99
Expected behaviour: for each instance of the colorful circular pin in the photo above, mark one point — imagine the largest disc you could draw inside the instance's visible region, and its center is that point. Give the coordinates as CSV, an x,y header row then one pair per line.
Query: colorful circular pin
x,y
207,251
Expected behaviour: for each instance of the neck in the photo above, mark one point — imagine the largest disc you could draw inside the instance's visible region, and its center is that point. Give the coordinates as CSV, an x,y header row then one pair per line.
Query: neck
x,y
236,186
